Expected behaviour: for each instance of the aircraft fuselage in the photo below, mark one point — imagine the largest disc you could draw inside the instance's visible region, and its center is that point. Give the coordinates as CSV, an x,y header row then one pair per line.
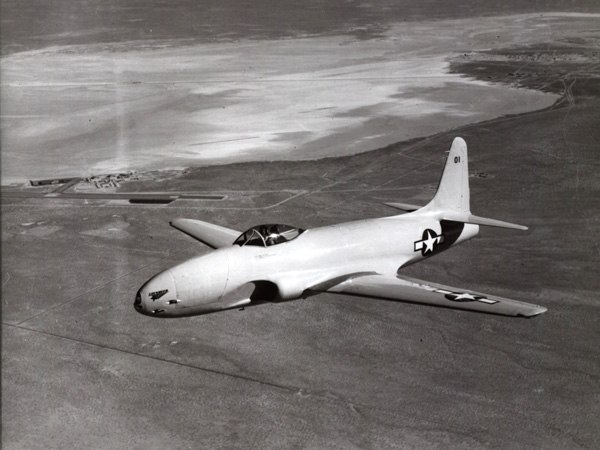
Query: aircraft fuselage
x,y
237,276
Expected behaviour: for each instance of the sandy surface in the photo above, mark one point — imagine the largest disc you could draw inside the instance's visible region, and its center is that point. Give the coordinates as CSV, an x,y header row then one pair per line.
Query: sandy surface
x,y
82,369
79,110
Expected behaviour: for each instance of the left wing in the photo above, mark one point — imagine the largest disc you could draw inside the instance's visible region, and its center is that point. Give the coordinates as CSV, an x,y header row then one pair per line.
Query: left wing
x,y
417,291
210,234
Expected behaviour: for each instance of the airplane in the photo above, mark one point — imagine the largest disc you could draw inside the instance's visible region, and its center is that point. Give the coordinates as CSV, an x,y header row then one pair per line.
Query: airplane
x,y
276,263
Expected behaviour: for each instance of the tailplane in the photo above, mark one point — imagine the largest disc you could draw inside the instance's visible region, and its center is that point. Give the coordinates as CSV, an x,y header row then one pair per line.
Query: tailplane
x,y
452,199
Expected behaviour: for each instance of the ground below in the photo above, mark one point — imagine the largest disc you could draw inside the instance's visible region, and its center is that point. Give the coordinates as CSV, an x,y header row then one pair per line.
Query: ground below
x,y
82,368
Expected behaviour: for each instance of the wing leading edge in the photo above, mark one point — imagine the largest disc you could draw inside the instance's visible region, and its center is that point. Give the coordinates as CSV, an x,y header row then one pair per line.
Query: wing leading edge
x,y
417,291
210,234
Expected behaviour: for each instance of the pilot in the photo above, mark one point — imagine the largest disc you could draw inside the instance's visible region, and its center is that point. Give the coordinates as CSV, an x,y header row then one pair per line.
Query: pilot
x,y
273,237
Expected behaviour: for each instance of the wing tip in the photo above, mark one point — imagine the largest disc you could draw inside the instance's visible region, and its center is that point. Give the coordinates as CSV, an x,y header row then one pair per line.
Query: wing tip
x,y
535,310
175,223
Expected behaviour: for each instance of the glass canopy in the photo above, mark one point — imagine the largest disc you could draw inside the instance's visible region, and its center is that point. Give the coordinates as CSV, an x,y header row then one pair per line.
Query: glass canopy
x,y
267,235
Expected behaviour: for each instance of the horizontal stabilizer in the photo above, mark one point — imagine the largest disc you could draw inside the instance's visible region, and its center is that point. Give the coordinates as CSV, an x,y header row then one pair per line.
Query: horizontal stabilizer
x,y
210,234
476,220
403,206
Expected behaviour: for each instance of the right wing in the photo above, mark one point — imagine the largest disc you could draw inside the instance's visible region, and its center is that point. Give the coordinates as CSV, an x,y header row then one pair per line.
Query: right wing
x,y
210,234
417,291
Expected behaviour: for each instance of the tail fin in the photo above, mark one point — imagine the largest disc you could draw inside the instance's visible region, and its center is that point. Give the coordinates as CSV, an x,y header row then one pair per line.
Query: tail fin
x,y
452,199
453,191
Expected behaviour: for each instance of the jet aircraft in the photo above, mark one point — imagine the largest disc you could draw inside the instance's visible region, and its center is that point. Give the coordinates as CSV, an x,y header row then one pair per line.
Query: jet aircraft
x,y
274,262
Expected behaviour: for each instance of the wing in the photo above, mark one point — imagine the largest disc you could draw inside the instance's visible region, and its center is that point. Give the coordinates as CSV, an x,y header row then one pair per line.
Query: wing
x,y
417,291
210,234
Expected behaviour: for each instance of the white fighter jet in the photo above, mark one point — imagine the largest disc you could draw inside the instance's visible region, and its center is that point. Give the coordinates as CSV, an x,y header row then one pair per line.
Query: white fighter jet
x,y
275,263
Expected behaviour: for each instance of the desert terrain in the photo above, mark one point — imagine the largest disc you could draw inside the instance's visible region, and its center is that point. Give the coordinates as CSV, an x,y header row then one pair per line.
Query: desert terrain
x,y
80,368
85,110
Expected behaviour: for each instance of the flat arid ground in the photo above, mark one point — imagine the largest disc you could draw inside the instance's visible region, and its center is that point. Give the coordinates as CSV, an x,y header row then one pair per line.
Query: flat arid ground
x,y
81,110
80,368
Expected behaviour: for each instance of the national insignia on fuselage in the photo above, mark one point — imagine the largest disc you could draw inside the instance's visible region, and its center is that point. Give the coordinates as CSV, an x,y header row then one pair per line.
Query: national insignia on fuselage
x,y
430,240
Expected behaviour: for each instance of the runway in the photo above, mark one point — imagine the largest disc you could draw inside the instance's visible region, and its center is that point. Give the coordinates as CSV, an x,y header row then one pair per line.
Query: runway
x,y
132,197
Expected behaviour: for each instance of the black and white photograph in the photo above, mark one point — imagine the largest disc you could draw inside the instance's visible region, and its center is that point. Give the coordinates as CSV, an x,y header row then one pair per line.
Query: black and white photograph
x,y
319,224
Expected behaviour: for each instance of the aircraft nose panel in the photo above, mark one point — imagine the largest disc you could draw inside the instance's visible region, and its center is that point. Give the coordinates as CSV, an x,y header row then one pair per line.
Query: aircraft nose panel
x,y
155,297
192,287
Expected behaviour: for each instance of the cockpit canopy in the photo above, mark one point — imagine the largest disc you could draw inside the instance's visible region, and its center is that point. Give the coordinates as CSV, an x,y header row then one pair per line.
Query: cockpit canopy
x,y
267,235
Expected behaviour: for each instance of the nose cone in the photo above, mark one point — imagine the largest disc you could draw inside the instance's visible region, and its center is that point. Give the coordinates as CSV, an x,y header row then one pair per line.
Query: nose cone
x,y
156,296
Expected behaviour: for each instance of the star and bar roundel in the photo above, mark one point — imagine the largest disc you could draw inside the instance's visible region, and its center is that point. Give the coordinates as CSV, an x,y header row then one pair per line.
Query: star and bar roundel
x,y
462,297
429,242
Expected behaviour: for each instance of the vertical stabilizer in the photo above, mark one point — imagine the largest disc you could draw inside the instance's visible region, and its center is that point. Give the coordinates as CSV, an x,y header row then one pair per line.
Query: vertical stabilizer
x,y
453,191
452,200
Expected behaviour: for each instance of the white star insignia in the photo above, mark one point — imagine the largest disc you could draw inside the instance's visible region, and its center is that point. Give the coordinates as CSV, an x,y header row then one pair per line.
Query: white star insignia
x,y
429,242
465,296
